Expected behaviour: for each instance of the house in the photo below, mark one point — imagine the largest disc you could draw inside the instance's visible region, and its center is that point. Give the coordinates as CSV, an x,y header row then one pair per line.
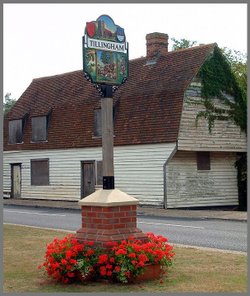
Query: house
x,y
162,155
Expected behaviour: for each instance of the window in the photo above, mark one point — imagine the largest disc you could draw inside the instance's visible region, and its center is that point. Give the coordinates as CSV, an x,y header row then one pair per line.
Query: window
x,y
203,161
39,128
16,131
39,172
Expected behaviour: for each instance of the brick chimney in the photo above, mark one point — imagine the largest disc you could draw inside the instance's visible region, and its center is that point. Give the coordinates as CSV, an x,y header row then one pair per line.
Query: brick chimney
x,y
157,44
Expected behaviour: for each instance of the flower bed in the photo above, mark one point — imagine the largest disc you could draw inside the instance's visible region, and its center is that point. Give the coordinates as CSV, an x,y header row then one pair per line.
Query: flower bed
x,y
126,261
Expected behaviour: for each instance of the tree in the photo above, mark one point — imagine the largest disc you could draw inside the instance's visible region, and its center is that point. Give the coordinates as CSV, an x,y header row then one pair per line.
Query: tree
x,y
8,103
238,62
219,80
182,43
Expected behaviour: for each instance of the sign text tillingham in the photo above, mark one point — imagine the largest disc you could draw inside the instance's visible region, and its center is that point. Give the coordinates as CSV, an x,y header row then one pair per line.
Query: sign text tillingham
x,y
106,45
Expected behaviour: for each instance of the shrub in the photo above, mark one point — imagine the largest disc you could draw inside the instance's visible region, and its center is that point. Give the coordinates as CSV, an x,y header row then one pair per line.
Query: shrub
x,y
120,261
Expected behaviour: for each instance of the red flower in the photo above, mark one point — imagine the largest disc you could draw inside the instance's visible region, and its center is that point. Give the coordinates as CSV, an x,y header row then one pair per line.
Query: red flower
x,y
140,264
68,267
132,255
103,271
69,254
109,266
64,262
103,258
126,259
111,259
127,273
143,257
73,261
70,274
117,268
109,273
89,252
121,252
55,265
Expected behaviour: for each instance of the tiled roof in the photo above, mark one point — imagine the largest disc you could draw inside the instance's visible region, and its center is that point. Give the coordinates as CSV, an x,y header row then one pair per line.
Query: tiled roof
x,y
149,104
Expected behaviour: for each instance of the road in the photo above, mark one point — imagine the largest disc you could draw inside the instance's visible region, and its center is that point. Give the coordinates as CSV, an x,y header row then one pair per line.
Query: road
x,y
219,234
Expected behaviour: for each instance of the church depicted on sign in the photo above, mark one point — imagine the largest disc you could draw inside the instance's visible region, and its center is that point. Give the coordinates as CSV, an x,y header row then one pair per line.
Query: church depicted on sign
x,y
163,156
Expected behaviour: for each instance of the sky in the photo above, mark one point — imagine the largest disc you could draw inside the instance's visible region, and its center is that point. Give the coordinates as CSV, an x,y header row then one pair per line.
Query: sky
x,y
46,39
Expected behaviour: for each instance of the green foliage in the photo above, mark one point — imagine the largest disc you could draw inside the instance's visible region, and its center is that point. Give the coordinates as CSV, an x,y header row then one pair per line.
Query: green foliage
x,y
238,63
8,103
182,43
218,80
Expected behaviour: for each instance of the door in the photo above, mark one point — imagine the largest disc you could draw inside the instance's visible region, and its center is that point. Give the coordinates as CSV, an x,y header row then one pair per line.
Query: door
x,y
88,178
16,180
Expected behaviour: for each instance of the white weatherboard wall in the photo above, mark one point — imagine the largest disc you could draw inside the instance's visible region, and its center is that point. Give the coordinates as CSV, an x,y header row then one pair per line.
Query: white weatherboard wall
x,y
187,187
224,136
138,171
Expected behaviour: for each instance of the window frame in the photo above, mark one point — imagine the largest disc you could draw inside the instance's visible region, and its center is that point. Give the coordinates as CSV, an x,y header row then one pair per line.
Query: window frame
x,y
35,128
20,130
33,175
203,160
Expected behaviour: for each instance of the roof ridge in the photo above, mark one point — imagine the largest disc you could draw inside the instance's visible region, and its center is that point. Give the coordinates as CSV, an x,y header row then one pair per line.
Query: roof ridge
x,y
134,59
194,47
56,75
140,58
180,50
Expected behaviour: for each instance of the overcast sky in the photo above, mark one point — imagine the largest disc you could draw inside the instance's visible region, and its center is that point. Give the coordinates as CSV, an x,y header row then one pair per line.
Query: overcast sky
x,y
46,39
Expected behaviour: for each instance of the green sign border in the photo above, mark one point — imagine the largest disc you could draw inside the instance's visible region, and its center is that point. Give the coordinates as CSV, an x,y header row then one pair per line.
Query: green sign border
x,y
109,65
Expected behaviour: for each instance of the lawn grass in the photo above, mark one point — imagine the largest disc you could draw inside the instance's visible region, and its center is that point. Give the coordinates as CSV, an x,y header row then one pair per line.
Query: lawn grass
x,y
194,270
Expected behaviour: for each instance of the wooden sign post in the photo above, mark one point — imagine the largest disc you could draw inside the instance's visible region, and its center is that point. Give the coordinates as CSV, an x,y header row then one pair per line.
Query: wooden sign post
x,y
107,139
108,214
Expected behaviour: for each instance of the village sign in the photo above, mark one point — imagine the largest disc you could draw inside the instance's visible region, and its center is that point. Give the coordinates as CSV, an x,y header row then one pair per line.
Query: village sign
x,y
105,53
105,64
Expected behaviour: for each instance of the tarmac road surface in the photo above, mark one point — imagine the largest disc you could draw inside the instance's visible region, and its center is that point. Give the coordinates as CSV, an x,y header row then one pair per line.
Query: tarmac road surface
x,y
219,234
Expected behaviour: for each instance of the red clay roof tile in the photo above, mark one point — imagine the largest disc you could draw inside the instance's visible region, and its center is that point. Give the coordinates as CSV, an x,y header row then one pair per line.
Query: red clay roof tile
x,y
149,104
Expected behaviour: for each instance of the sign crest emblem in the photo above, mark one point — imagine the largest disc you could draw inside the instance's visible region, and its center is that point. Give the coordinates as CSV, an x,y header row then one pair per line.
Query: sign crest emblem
x,y
120,34
91,28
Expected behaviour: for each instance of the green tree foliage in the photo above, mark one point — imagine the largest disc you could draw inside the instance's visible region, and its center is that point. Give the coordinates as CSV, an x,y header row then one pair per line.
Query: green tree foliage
x,y
8,103
219,80
238,63
182,43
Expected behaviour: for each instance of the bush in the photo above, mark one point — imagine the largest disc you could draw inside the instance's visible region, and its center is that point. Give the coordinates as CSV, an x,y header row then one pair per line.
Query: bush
x,y
122,262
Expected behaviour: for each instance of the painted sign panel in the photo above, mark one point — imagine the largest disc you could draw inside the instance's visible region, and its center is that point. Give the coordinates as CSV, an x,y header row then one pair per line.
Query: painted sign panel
x,y
105,52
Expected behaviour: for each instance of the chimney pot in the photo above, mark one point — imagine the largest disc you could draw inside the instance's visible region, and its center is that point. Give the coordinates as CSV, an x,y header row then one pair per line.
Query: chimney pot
x,y
157,43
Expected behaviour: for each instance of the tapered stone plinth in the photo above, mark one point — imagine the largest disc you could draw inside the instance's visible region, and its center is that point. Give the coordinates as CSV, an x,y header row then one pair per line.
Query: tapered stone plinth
x,y
109,215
